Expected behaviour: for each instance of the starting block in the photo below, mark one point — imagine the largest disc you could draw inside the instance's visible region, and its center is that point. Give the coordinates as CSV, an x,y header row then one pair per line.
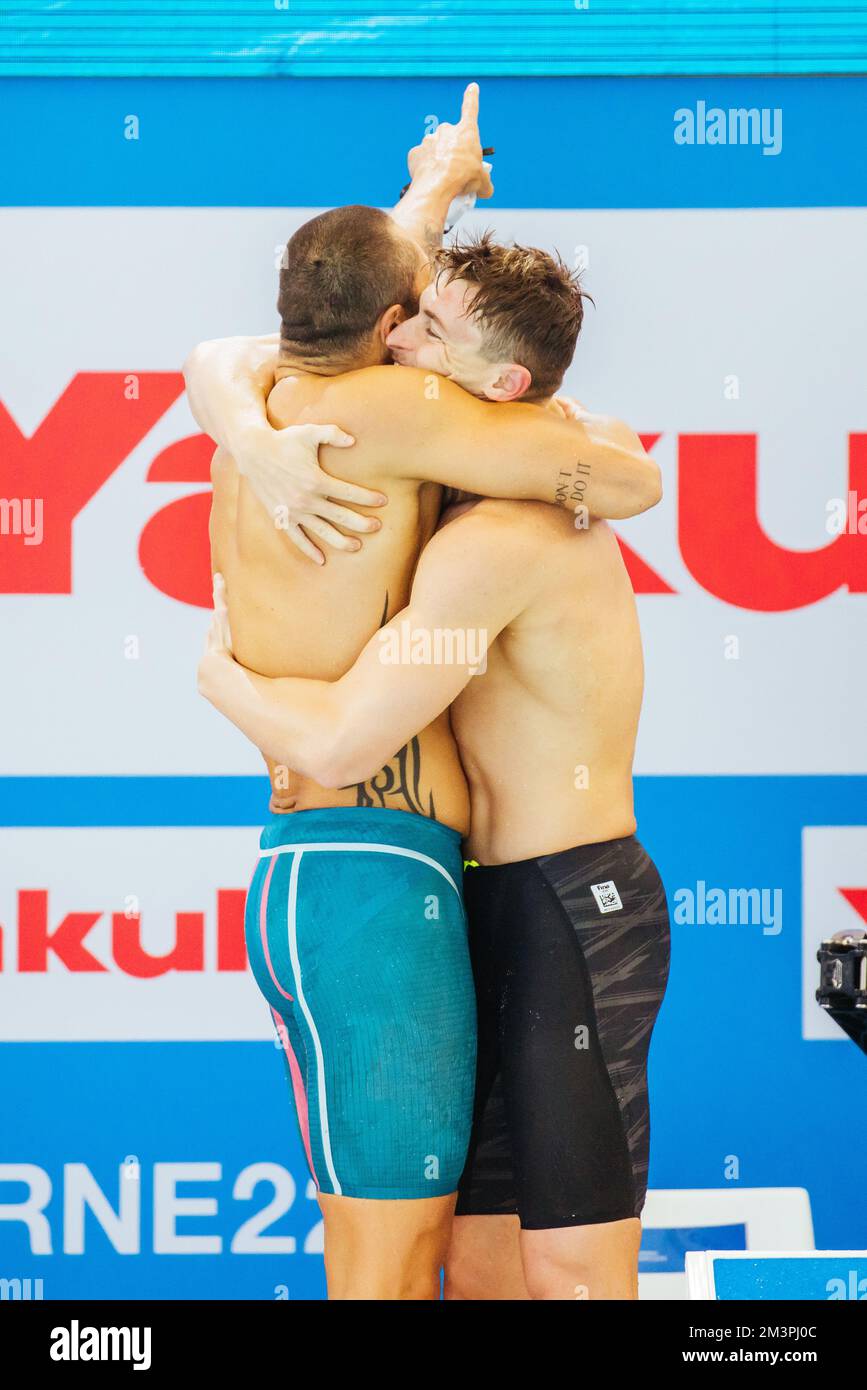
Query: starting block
x,y
826,1275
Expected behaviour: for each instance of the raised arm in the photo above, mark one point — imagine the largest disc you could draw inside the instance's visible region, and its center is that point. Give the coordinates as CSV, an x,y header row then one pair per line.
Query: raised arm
x,y
228,379
470,582
448,162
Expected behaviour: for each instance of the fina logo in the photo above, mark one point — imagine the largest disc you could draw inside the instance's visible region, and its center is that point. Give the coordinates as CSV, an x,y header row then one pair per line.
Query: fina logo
x,y
737,126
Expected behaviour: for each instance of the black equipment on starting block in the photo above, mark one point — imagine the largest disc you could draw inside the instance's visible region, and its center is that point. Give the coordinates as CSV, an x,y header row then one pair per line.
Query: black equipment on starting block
x,y
842,989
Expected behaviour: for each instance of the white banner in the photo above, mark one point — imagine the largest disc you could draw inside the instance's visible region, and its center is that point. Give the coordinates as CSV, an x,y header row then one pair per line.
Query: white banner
x,y
742,327
127,935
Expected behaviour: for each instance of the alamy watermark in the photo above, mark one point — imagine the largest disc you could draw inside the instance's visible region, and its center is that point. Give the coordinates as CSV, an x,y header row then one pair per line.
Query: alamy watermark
x,y
846,515
22,516
736,126
729,907
405,645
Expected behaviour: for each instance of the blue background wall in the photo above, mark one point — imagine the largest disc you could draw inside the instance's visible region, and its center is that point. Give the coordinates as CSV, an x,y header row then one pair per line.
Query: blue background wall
x,y
729,1074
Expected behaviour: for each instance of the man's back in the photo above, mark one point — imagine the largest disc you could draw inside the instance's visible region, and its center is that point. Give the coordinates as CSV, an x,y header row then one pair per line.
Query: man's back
x,y
547,734
290,617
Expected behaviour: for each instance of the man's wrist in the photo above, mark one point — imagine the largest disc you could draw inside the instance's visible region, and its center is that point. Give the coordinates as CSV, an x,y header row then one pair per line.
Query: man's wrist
x,y
424,216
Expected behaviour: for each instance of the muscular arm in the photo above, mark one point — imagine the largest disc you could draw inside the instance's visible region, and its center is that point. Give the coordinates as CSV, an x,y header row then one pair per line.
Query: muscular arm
x,y
472,579
425,427
447,162
228,379
240,370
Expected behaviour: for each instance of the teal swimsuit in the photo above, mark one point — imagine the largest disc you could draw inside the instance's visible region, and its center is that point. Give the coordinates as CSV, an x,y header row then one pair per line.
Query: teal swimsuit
x,y
357,938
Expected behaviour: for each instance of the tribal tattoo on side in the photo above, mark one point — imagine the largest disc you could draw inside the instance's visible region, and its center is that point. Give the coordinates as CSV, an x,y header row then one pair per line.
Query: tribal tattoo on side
x,y
398,778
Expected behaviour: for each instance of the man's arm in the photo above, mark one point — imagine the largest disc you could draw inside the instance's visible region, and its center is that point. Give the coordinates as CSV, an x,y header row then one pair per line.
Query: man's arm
x,y
448,162
472,579
281,466
423,426
228,379
242,368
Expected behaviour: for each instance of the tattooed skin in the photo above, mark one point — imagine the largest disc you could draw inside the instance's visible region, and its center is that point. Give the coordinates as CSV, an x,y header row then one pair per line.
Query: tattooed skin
x,y
571,486
399,778
432,239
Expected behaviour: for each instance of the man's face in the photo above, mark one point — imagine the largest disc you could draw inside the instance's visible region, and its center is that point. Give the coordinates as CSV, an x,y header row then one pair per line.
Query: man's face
x,y
395,314
444,338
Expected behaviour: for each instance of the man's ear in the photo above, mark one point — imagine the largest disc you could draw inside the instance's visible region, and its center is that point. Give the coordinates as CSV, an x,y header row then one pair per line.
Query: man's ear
x,y
390,319
510,383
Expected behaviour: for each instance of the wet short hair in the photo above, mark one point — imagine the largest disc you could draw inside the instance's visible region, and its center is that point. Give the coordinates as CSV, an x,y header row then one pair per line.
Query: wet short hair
x,y
338,275
529,305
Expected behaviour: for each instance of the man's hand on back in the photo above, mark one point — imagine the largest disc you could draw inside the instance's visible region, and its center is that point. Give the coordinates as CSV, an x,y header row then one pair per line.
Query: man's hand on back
x,y
283,470
228,381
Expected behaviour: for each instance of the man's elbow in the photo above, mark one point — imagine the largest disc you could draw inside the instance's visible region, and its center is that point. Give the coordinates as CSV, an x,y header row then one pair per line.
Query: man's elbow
x,y
340,759
336,771
652,483
645,488
192,363
316,761
194,369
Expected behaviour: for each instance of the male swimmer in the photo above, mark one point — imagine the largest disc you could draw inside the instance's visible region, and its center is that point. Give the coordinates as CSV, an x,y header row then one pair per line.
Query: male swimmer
x,y
355,925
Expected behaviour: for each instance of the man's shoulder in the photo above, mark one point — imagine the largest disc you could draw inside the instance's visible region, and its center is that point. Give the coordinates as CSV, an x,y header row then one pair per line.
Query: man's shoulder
x,y
372,397
400,390
504,531
537,539
532,522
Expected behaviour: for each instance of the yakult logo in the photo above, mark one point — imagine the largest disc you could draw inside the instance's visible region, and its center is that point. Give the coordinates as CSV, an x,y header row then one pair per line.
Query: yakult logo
x,y
133,933
717,515
41,939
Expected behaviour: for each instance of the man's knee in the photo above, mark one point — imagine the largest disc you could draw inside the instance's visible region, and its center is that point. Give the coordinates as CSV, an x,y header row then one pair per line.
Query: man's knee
x,y
552,1276
465,1276
583,1262
373,1270
484,1259
581,1274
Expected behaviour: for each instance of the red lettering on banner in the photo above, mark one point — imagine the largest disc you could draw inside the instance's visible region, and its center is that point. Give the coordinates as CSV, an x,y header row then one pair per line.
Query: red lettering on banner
x,y
174,549
35,941
67,941
857,898
231,945
644,580
725,547
188,952
84,438
93,427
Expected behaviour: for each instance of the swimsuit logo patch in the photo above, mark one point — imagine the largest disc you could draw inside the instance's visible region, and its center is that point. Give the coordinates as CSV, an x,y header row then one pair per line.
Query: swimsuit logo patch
x,y
607,896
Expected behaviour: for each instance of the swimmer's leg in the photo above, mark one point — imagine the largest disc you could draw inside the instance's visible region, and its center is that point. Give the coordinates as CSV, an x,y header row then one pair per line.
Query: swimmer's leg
x,y
563,1136
385,1250
583,1262
361,950
484,1260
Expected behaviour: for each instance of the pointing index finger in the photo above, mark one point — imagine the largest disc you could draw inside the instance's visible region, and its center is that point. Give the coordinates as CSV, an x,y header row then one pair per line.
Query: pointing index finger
x,y
470,104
